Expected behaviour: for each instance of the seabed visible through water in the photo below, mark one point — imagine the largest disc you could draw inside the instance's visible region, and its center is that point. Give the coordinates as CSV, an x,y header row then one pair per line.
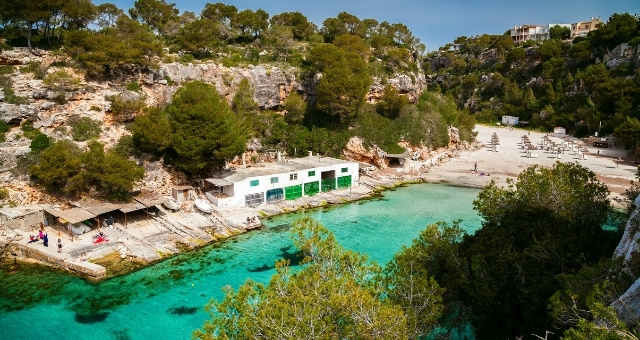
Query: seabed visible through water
x,y
166,300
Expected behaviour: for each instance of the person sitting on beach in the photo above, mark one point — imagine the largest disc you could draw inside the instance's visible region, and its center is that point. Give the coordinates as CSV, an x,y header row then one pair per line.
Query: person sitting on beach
x,y
32,238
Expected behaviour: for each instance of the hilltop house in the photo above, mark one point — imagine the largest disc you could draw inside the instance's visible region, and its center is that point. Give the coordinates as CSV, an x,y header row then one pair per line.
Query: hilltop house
x,y
282,180
538,33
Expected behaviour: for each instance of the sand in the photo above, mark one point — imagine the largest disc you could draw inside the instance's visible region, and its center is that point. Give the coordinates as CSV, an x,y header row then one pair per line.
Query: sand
x,y
613,166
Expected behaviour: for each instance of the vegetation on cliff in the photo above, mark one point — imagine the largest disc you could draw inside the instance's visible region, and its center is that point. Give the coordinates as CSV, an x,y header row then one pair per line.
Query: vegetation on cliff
x,y
581,85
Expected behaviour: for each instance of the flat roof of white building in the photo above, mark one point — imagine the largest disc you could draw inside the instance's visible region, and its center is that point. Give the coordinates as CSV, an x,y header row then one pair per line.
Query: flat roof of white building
x,y
289,165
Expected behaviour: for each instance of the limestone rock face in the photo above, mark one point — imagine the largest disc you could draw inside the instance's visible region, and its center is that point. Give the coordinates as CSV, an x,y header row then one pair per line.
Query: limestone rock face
x,y
628,305
13,114
270,84
622,54
411,86
356,151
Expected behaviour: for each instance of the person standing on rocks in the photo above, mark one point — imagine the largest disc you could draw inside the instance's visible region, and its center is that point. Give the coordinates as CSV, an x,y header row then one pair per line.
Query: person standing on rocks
x,y
59,246
45,240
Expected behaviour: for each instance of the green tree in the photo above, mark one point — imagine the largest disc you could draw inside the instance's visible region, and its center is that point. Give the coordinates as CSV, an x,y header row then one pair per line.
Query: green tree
x,y
107,15
155,13
206,132
295,107
409,276
103,52
391,102
332,297
198,36
548,223
57,164
344,83
628,133
300,26
152,132
245,108
620,28
110,173
558,32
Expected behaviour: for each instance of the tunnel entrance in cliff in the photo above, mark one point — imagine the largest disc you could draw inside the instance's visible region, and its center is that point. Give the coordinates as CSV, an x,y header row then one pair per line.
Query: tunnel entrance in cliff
x,y
395,161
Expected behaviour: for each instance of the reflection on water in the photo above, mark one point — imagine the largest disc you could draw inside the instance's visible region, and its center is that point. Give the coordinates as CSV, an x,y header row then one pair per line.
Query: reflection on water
x,y
166,300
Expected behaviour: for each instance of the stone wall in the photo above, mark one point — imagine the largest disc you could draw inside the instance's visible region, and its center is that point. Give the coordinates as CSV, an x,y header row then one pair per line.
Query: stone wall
x,y
91,270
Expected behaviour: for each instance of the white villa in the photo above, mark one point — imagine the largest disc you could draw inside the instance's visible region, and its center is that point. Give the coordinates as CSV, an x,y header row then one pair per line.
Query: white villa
x,y
282,180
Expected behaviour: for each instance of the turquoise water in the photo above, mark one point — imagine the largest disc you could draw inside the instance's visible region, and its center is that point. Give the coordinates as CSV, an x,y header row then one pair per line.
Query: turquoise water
x,y
165,301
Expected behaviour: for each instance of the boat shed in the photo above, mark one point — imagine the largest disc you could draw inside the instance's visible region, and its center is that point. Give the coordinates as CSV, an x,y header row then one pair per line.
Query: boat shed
x,y
282,180
76,220
21,218
181,193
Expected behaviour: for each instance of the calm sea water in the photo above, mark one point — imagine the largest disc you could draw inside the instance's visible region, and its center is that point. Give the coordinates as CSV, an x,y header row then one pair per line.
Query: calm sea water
x,y
166,301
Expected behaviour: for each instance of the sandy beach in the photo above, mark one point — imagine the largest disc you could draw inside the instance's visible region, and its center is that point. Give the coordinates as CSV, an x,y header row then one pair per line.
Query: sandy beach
x,y
613,166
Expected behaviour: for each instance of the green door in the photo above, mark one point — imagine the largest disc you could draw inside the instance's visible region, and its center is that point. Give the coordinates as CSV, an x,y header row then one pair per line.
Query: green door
x,y
293,192
328,184
311,188
344,182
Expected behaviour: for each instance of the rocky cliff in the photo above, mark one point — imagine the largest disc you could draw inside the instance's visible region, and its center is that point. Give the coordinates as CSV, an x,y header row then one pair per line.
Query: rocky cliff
x,y
628,304
50,108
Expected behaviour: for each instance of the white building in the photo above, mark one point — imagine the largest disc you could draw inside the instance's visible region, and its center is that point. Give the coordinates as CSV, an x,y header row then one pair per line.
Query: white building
x,y
510,120
282,180
520,34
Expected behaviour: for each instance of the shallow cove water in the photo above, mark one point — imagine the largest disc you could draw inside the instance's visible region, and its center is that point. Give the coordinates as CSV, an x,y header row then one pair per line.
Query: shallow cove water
x,y
166,300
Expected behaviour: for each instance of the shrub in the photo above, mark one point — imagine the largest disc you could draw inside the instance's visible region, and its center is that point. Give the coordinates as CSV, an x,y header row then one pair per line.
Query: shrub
x,y
4,193
84,129
6,69
4,127
28,129
10,97
133,86
95,108
36,68
40,142
187,58
126,109
61,80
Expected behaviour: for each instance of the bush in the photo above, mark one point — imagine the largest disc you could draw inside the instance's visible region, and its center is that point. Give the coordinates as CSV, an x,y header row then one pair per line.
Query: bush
x,y
84,129
95,108
61,80
28,129
40,142
133,86
125,109
187,58
36,68
10,97
4,193
4,127
6,69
